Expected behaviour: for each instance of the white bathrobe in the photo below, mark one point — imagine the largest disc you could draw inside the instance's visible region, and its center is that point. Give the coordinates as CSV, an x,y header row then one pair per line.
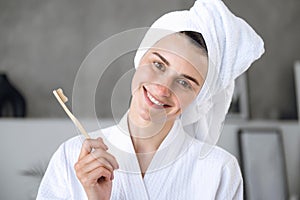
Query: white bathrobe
x,y
176,170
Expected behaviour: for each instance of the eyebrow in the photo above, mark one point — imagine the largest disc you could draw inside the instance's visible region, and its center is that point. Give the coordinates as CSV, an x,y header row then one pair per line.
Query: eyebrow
x,y
162,58
168,64
190,78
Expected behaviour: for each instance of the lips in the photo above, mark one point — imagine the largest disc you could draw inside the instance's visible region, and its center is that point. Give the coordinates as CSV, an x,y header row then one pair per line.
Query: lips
x,y
152,101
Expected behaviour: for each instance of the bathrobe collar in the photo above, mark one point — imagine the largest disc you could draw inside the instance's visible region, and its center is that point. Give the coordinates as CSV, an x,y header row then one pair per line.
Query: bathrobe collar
x,y
172,147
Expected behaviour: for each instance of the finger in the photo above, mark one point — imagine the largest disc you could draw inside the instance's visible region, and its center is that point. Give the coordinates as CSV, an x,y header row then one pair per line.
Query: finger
x,y
92,177
98,174
90,144
87,165
102,144
95,155
101,154
98,153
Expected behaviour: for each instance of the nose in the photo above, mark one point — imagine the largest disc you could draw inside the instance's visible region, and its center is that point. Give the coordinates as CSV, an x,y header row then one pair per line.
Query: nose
x,y
163,91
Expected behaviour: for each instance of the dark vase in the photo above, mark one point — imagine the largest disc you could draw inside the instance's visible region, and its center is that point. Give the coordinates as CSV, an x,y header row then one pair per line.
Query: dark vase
x,y
10,99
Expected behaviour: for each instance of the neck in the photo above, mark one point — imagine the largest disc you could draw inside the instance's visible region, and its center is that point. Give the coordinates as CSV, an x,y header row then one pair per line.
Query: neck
x,y
147,139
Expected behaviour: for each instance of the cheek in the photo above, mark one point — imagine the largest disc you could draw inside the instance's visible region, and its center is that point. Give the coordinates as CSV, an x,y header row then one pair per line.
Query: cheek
x,y
184,100
143,74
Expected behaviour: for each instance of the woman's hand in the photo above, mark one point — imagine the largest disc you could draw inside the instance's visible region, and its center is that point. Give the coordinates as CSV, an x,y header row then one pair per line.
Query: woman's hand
x,y
94,169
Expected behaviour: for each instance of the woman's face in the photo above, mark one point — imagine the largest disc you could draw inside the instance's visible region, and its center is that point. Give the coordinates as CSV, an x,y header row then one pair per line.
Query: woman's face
x,y
169,77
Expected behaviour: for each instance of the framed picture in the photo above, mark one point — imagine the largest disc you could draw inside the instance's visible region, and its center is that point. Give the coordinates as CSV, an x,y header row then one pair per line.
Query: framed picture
x,y
239,108
297,85
263,163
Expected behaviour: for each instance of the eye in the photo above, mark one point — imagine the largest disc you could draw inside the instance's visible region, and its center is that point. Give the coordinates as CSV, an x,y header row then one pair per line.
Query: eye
x,y
185,84
159,66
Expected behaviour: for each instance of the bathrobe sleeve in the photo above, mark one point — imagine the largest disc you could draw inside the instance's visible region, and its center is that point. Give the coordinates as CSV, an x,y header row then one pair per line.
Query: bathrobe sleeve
x,y
54,183
231,183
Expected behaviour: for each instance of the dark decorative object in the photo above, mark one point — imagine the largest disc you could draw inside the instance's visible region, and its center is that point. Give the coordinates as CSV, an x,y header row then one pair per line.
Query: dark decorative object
x,y
12,103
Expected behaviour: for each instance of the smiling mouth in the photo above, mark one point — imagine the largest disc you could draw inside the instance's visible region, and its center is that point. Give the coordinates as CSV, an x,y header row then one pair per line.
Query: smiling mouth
x,y
153,101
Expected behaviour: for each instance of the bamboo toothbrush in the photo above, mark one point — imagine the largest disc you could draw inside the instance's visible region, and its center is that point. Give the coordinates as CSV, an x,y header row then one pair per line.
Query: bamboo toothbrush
x,y
62,99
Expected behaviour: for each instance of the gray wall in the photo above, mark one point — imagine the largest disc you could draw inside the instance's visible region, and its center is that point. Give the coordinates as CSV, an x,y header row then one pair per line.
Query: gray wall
x,y
271,80
42,44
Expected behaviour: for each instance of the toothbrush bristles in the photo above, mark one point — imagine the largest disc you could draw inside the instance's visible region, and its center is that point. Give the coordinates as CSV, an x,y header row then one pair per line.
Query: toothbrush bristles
x,y
61,95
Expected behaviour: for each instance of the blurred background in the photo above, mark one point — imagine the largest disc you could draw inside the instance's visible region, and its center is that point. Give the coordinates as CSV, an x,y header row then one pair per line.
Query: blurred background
x,y
43,43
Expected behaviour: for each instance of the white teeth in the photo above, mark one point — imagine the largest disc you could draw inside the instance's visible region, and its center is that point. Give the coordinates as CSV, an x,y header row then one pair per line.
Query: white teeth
x,y
153,100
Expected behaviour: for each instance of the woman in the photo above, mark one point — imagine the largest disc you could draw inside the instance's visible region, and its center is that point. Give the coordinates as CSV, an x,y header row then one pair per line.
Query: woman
x,y
163,148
